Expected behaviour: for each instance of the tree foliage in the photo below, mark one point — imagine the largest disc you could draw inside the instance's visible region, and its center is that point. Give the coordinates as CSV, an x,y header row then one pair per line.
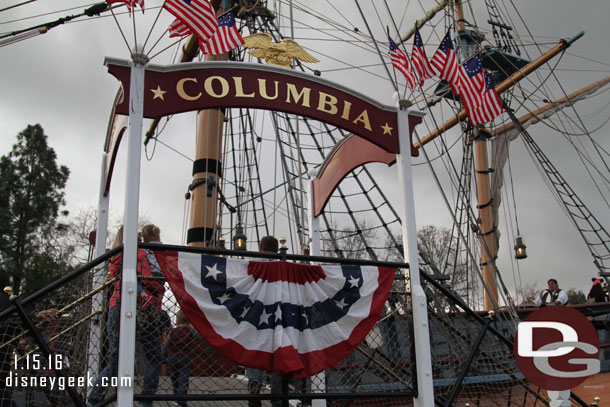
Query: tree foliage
x,y
31,194
576,296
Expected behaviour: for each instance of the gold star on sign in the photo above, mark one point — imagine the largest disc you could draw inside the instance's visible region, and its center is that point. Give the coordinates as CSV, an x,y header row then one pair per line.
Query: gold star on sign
x,y
387,129
158,93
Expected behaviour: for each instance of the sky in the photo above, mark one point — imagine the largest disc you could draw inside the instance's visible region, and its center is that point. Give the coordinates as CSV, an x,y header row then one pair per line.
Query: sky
x,y
59,80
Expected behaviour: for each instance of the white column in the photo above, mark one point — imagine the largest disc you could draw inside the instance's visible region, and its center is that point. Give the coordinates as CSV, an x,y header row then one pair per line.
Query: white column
x,y
314,222
96,331
421,334
314,250
559,398
127,337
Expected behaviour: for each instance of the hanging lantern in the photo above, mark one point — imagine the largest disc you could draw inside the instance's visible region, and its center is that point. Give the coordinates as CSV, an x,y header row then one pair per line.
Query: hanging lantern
x,y
239,240
221,245
520,247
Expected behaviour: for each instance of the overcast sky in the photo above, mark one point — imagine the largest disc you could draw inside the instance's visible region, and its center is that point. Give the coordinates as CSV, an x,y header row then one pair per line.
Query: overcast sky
x,y
58,80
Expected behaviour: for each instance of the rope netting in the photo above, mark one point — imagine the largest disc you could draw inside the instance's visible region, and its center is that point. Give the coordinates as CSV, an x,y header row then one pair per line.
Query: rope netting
x,y
82,340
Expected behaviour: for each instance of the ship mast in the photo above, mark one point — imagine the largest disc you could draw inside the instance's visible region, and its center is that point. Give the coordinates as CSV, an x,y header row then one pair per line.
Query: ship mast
x,y
486,229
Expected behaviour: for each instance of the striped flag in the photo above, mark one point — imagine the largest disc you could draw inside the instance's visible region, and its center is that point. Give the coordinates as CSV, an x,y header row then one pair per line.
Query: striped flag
x,y
490,106
401,63
445,63
472,82
130,3
419,59
197,15
178,29
295,319
225,39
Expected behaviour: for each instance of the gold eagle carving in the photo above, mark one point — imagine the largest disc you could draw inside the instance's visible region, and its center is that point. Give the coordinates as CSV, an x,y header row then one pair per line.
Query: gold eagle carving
x,y
281,54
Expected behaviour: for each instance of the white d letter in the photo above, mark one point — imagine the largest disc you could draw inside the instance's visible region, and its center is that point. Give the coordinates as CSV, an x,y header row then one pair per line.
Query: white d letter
x,y
526,333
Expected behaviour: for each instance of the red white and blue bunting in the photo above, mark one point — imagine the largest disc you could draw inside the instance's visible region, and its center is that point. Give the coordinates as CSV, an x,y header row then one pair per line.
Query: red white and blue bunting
x,y
278,316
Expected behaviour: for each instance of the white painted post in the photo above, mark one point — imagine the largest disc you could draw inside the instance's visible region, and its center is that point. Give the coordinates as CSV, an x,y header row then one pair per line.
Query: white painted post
x,y
559,398
314,250
127,336
314,222
421,334
95,333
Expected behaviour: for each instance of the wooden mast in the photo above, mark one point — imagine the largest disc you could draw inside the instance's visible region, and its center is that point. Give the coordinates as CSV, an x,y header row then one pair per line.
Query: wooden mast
x,y
487,235
207,169
487,231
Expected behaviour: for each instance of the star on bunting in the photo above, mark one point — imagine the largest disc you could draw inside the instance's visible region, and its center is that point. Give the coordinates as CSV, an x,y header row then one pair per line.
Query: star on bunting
x,y
353,282
213,271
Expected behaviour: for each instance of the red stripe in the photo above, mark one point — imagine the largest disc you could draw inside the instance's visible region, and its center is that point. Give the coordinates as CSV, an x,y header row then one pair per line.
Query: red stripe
x,y
285,271
199,17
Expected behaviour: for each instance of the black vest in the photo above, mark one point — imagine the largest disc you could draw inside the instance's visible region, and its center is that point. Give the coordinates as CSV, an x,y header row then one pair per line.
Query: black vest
x,y
547,297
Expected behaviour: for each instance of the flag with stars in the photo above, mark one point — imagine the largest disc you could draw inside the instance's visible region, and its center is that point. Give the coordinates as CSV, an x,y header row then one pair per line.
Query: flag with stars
x,y
490,106
419,59
445,62
472,83
225,39
401,63
198,15
279,316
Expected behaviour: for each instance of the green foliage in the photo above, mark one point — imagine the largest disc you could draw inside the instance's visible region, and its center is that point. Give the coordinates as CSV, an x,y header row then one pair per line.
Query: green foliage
x,y
576,296
31,194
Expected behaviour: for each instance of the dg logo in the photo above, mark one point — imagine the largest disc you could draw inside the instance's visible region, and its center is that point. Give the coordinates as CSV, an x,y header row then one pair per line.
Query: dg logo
x,y
556,348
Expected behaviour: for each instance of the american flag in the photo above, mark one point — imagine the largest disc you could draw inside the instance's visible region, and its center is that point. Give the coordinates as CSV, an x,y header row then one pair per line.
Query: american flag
x,y
472,82
197,15
490,106
445,62
178,29
295,319
225,39
419,59
400,62
130,3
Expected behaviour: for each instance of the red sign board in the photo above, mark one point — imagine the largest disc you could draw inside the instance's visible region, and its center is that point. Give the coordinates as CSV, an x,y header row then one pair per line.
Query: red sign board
x,y
205,85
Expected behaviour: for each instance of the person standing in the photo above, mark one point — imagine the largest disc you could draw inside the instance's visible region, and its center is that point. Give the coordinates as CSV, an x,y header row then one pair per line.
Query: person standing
x,y
268,244
152,353
177,344
596,294
553,295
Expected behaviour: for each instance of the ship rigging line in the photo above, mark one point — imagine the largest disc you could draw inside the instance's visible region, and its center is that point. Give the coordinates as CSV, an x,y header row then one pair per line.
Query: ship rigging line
x,y
376,46
94,10
464,240
17,5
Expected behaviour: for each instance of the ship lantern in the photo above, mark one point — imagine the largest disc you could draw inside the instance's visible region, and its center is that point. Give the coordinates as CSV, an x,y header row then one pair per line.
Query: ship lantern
x,y
239,240
221,245
520,247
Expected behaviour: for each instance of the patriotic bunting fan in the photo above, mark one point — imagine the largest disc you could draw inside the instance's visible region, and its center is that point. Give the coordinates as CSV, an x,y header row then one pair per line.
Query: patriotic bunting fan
x,y
278,316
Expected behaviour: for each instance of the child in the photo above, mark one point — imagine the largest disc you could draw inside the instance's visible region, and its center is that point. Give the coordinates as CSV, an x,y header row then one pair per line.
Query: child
x,y
177,343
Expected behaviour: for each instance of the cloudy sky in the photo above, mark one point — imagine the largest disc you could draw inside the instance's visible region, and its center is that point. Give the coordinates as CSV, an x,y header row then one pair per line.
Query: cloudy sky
x,y
59,80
